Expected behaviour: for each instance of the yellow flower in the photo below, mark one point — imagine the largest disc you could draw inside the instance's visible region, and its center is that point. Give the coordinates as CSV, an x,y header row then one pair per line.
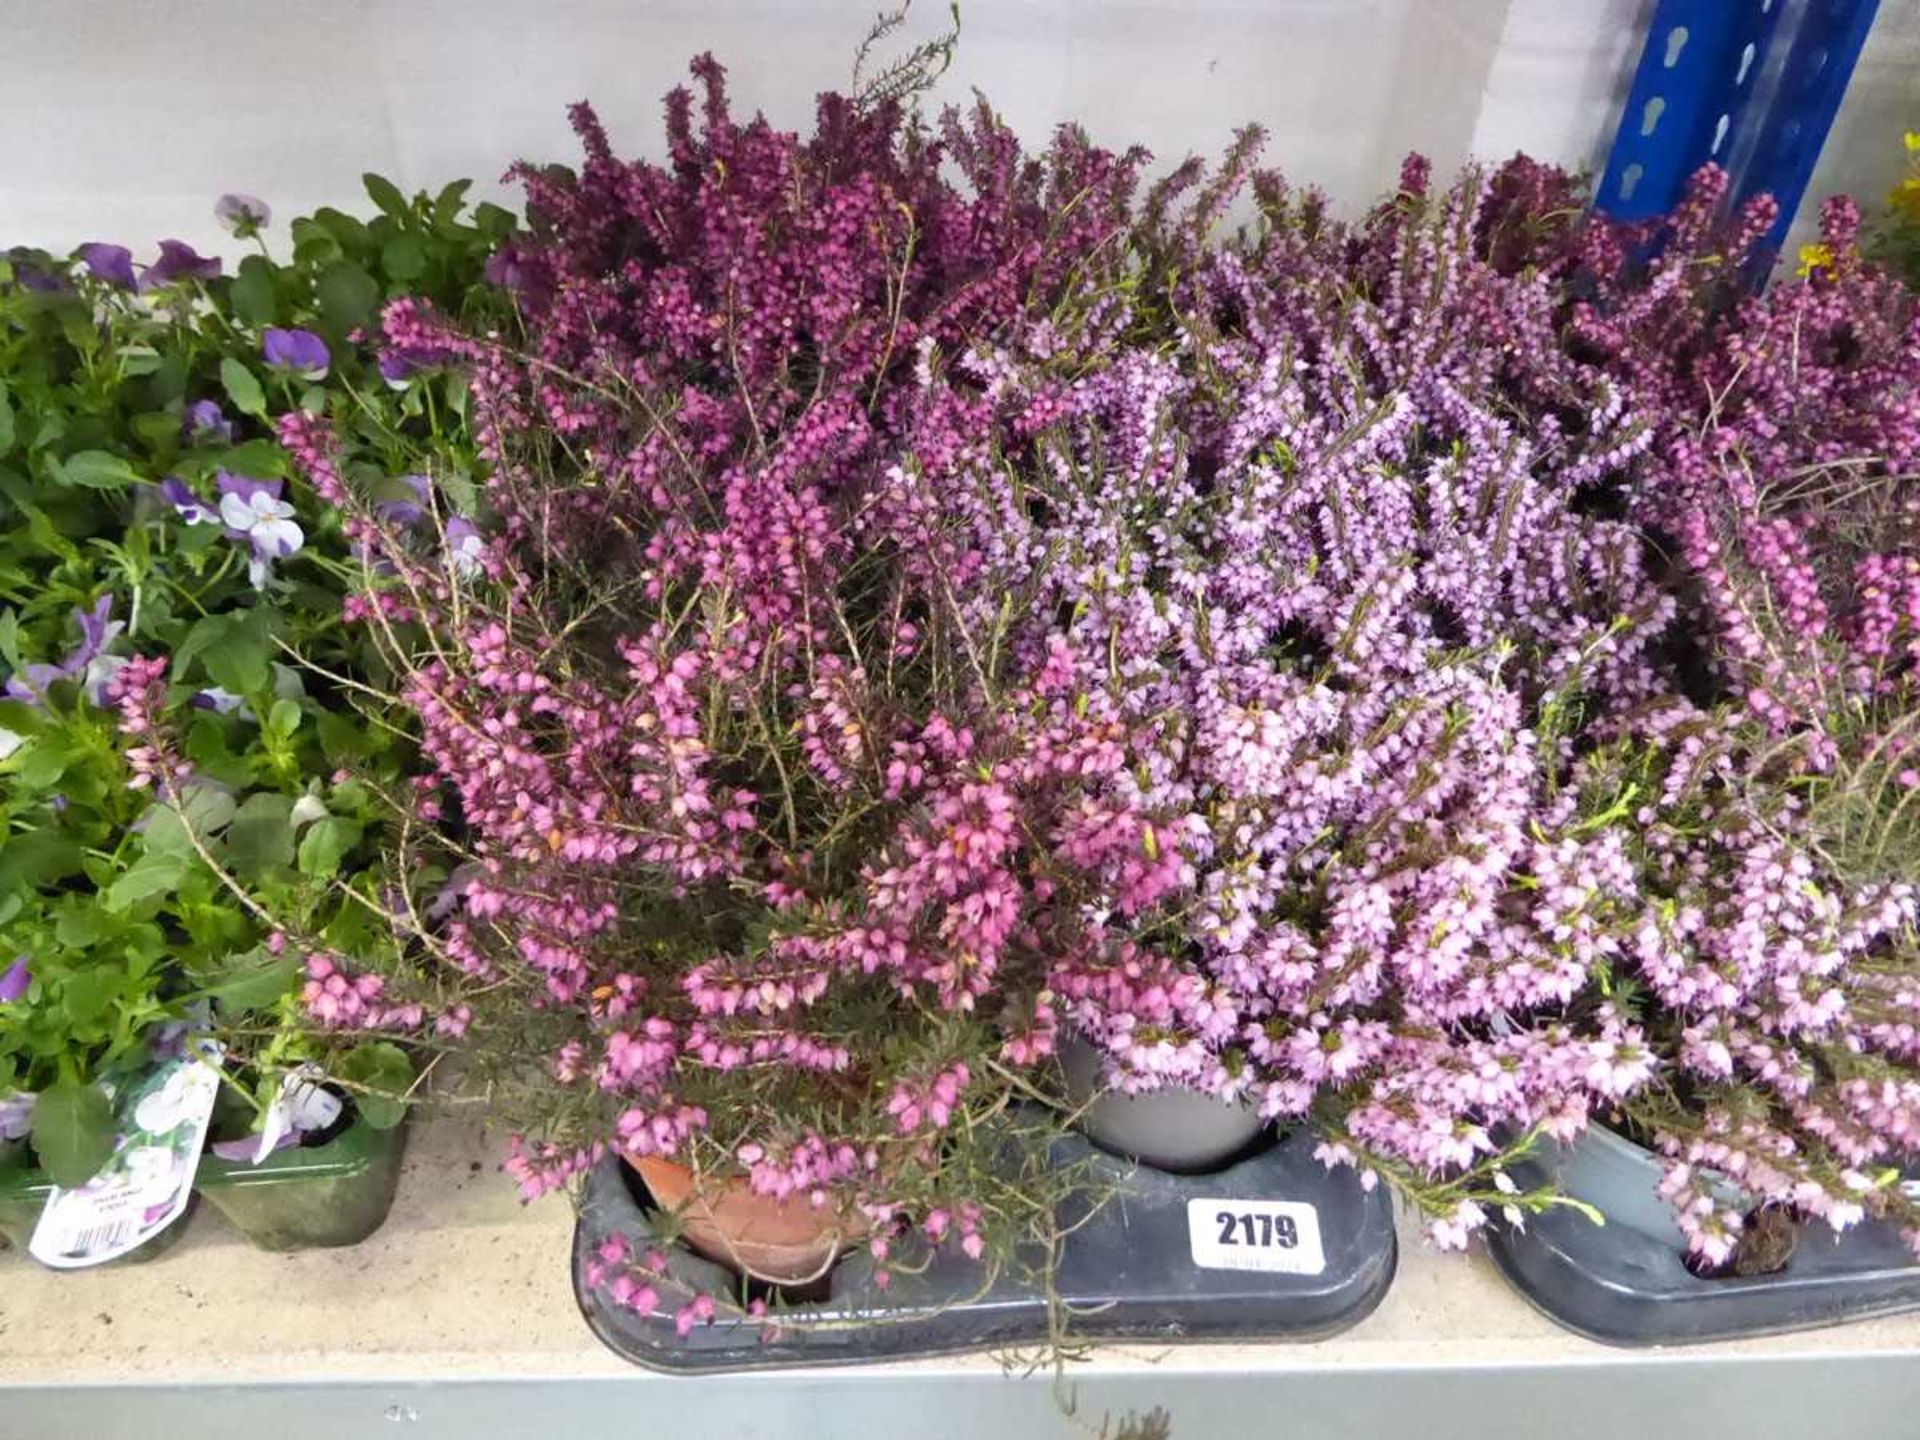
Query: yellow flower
x,y
1912,138
1812,257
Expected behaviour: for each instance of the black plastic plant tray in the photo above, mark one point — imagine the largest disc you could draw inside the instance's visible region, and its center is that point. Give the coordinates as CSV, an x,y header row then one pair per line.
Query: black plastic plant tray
x,y
1128,1273
1618,1286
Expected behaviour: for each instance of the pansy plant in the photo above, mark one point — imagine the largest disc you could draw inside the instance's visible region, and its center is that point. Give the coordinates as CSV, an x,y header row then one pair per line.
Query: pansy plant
x,y
162,572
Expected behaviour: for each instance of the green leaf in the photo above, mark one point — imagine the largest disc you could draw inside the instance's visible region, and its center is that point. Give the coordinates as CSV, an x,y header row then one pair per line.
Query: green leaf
x,y
261,458
206,631
284,719
241,659
138,361
348,296
256,299
446,205
242,388
46,760
89,994
97,470
157,429
73,1131
384,193
341,738
157,872
39,857
495,221
6,420
253,981
209,810
404,258
382,1067
326,844
260,837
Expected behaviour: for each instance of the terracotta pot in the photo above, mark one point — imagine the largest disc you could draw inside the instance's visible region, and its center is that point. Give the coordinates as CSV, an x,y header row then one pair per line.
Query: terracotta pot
x,y
785,1242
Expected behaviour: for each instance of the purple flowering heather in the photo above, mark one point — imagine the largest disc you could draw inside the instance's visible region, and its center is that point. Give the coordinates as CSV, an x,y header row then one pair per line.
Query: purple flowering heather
x,y
1326,744
112,264
298,352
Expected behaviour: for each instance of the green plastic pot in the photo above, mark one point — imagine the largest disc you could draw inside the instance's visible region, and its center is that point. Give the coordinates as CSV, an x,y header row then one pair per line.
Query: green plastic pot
x,y
23,1195
309,1198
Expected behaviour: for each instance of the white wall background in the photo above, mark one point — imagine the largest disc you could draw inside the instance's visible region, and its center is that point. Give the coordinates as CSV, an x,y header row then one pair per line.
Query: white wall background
x,y
123,121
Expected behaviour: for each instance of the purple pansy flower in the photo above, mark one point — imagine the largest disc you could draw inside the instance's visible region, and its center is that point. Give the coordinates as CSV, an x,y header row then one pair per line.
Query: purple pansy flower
x,y
465,547
89,664
13,984
190,507
16,1115
408,507
179,261
221,701
111,263
205,420
253,511
247,1147
508,266
30,274
395,369
244,215
300,351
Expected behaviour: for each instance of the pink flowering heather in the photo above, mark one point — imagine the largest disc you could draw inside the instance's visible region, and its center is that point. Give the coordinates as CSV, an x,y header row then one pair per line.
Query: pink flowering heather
x,y
752,801
926,602
1347,596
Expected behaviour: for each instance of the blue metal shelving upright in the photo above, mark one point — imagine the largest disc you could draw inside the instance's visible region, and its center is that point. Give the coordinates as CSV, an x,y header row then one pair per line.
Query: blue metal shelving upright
x,y
1752,85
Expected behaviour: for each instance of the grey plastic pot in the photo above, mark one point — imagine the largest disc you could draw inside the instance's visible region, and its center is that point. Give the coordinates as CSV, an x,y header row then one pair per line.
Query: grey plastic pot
x,y
1176,1129
1621,1180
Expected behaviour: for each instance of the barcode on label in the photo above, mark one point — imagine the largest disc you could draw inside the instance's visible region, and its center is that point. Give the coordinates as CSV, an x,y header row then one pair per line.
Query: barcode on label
x,y
96,1238
1281,1236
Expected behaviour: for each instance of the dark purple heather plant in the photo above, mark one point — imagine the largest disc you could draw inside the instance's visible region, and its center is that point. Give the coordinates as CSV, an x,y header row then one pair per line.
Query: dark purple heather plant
x,y
754,807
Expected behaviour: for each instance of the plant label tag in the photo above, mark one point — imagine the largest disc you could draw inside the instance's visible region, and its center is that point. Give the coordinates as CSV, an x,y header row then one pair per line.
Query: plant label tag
x,y
300,1104
162,1117
1282,1236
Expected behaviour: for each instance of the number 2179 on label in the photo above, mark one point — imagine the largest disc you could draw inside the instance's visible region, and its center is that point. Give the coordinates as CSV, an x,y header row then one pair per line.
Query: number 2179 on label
x,y
1277,1235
